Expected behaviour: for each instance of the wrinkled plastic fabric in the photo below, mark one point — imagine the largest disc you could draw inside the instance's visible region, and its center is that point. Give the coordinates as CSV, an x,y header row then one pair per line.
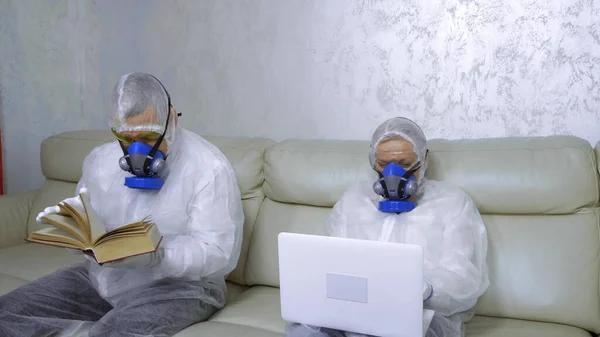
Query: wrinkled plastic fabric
x,y
134,94
198,211
403,128
300,330
445,223
65,303
450,229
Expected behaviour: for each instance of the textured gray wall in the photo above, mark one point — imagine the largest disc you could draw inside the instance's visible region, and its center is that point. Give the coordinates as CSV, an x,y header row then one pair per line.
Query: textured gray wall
x,y
301,68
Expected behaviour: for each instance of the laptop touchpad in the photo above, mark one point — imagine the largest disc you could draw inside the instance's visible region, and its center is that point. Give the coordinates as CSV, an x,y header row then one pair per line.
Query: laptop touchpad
x,y
346,288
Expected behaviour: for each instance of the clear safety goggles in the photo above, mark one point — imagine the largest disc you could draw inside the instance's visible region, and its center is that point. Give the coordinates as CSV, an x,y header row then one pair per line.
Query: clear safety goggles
x,y
405,163
145,137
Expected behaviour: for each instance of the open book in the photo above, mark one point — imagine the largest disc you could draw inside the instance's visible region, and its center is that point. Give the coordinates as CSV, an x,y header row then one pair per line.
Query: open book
x,y
71,228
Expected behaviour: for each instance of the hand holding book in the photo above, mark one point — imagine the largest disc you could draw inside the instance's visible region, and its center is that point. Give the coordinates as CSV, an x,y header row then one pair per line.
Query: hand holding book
x,y
78,227
75,202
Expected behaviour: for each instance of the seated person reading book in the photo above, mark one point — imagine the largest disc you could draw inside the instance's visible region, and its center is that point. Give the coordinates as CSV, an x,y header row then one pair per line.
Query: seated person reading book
x,y
157,171
82,229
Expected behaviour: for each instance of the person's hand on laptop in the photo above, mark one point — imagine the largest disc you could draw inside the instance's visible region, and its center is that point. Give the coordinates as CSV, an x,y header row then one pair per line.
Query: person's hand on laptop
x,y
427,291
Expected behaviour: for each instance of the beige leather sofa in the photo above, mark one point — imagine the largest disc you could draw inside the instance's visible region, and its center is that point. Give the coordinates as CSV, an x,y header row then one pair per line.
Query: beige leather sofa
x,y
538,197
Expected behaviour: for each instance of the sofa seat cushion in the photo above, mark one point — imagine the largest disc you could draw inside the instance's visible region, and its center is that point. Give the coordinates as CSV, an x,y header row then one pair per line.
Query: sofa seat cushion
x,y
24,263
31,261
259,308
219,329
233,290
481,326
9,283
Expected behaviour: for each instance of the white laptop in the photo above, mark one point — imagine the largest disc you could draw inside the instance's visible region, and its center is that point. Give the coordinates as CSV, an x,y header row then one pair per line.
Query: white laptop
x,y
361,286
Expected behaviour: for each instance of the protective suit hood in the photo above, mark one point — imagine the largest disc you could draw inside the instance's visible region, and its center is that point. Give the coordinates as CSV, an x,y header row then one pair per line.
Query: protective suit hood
x,y
400,127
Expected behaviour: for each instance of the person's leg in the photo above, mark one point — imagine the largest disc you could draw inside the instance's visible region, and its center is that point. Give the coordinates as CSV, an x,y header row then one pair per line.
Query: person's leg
x,y
442,326
51,304
159,309
302,330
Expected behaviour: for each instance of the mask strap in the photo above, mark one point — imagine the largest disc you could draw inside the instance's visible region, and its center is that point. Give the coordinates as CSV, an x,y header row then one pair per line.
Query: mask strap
x,y
412,171
168,95
407,175
152,153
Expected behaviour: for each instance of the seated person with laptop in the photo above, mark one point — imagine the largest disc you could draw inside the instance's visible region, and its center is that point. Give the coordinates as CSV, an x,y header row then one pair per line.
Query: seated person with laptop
x,y
405,207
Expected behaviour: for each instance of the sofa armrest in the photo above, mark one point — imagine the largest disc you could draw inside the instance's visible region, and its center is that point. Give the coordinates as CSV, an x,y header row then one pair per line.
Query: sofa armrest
x,y
14,215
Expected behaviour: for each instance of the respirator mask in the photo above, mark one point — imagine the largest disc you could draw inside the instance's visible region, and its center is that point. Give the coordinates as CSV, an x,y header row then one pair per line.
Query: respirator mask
x,y
145,162
397,185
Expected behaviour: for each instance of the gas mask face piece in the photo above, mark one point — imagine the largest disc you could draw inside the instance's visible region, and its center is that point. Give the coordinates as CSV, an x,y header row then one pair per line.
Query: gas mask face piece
x,y
396,185
146,163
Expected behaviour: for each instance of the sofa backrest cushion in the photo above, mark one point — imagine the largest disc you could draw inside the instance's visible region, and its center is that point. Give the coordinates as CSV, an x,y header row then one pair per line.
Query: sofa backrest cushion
x,y
246,155
537,197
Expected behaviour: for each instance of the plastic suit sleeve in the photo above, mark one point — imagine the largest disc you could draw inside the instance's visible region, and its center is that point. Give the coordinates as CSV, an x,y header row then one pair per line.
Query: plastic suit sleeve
x,y
336,220
207,246
80,186
460,275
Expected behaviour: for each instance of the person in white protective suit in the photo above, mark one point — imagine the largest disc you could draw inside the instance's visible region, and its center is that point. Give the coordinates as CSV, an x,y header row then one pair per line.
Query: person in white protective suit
x,y
444,222
198,211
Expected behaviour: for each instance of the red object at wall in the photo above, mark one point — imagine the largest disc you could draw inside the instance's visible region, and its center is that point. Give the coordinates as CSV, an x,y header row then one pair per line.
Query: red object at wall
x,y
1,170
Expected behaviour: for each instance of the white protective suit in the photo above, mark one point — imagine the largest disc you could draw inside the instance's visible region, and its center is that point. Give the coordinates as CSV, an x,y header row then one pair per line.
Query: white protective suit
x,y
198,211
445,223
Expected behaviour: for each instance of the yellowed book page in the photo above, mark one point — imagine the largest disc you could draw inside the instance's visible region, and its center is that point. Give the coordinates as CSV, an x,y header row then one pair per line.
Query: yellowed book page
x,y
80,218
134,225
144,231
120,248
52,243
141,223
72,212
137,228
68,224
57,237
96,225
134,229
121,235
